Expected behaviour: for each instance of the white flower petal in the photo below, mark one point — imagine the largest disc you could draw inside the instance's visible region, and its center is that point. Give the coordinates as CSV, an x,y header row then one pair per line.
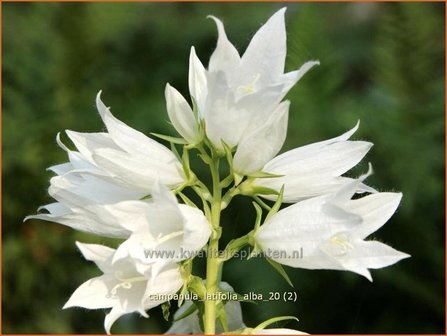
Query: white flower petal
x,y
266,53
137,171
316,168
197,230
197,81
181,115
86,143
131,140
228,118
371,254
96,253
78,190
291,78
260,146
62,168
91,219
166,283
225,57
375,209
112,316
302,227
93,294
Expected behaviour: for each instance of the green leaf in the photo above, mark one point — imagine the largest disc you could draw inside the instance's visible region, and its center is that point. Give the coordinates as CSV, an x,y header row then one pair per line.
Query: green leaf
x,y
165,308
175,140
280,270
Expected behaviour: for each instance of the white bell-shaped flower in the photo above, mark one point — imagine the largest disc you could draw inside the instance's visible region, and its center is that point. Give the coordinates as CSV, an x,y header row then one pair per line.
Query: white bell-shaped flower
x,y
315,169
123,287
329,231
162,231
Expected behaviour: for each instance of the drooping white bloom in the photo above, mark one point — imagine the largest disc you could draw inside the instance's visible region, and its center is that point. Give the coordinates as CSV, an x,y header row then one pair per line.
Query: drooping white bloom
x,y
191,324
315,169
162,231
131,158
93,178
239,97
122,287
79,187
330,230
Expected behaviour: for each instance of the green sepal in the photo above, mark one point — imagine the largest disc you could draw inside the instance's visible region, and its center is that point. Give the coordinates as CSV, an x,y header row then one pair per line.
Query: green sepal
x,y
165,308
206,159
191,309
222,316
228,155
258,210
175,151
248,189
238,178
262,174
201,312
185,271
258,190
185,163
251,234
187,200
234,246
277,204
226,181
175,140
196,286
278,267
273,320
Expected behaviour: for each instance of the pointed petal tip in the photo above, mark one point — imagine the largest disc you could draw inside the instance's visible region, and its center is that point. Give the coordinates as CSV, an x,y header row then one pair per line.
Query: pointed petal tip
x,y
67,305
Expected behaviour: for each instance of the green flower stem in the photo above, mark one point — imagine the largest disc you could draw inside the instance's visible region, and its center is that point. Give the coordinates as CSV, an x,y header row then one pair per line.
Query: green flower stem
x,y
213,261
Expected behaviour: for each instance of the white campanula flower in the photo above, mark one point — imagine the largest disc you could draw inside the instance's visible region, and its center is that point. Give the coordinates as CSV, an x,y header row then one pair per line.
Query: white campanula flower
x,y
132,159
122,287
191,325
239,97
330,231
162,231
106,168
314,169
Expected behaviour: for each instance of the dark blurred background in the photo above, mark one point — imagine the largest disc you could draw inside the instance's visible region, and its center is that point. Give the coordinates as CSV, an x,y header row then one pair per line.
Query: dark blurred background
x,y
382,63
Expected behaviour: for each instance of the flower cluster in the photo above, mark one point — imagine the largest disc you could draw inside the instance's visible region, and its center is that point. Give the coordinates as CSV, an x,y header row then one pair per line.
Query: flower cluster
x,y
125,185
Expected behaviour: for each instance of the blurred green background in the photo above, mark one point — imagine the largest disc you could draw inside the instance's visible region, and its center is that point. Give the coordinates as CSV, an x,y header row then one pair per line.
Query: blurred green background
x,y
382,63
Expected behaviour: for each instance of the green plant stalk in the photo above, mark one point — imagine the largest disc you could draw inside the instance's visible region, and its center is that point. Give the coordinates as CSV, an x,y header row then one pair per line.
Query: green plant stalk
x,y
213,262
